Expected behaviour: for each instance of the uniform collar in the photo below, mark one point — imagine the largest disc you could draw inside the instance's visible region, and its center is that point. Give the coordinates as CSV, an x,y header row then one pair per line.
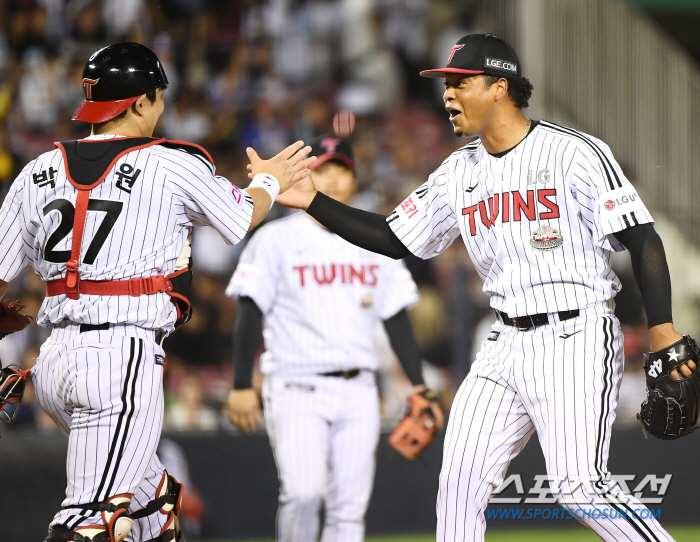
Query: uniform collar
x,y
99,137
533,125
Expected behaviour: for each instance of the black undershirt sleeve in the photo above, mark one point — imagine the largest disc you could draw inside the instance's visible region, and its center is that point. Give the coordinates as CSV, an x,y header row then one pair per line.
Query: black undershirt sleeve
x,y
650,271
364,229
247,340
405,346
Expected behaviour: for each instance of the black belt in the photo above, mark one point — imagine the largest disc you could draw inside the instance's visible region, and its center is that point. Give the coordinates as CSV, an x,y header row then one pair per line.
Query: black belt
x,y
523,323
352,373
157,335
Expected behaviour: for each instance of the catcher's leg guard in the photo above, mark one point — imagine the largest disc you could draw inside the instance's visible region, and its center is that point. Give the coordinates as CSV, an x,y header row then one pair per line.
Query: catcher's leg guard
x,y
168,501
115,515
87,533
12,382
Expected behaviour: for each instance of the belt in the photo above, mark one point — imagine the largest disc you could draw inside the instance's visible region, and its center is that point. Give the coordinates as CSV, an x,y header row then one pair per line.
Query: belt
x,y
523,323
157,334
347,375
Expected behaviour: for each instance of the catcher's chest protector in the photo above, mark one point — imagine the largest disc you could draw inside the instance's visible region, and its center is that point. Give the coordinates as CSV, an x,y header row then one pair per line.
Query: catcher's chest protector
x,y
87,164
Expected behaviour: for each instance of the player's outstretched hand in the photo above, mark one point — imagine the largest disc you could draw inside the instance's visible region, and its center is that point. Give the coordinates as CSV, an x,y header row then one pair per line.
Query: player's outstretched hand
x,y
300,195
244,409
288,167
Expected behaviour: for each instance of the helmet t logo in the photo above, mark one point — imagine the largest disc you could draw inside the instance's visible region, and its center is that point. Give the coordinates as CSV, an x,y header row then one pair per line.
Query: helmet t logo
x,y
329,143
87,87
455,48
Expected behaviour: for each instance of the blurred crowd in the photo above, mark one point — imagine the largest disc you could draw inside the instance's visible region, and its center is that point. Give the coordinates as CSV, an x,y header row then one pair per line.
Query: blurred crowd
x,y
264,73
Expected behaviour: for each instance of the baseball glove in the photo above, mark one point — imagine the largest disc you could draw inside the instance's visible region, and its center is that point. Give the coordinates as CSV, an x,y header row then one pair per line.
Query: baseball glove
x,y
11,319
417,429
12,381
671,408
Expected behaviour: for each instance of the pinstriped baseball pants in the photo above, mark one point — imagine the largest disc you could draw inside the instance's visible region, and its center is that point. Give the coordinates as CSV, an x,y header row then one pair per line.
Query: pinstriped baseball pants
x,y
104,389
560,380
324,432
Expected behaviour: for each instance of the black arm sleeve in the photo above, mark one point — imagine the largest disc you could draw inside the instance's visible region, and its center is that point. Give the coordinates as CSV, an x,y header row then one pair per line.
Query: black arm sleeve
x,y
404,343
366,230
650,271
247,340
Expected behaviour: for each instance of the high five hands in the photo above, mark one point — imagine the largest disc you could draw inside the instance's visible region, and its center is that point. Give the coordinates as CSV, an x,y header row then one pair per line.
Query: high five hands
x,y
300,189
288,167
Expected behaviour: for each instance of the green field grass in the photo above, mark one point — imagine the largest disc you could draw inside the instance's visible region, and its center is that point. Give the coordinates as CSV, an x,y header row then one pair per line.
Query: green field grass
x,y
681,534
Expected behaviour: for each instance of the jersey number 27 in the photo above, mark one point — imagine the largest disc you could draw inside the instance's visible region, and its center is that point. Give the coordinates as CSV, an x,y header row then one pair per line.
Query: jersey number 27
x,y
112,209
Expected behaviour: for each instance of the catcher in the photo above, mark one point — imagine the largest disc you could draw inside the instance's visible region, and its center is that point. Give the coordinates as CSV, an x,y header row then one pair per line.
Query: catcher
x,y
318,301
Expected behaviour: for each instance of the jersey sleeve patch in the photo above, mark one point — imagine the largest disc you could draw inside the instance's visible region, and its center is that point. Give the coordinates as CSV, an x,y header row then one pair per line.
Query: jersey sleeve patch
x,y
235,192
621,201
425,222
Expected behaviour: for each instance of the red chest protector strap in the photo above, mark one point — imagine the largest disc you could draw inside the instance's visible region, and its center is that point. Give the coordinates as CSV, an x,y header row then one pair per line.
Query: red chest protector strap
x,y
71,285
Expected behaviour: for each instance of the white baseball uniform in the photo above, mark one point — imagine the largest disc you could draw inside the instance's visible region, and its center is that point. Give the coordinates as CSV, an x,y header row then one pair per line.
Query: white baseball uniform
x,y
104,387
322,300
537,222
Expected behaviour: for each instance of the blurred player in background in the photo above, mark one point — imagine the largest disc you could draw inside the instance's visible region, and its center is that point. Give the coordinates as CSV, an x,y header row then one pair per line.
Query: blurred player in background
x,y
317,300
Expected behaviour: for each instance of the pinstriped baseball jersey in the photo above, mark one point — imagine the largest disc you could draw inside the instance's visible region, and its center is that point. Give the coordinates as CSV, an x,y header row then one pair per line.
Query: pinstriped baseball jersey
x,y
136,226
537,220
321,297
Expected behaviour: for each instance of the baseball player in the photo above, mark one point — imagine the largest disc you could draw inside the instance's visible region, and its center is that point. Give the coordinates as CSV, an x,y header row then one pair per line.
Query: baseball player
x,y
318,300
104,222
539,208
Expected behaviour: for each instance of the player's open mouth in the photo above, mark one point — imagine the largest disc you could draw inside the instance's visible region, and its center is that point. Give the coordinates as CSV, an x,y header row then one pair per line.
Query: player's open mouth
x,y
454,113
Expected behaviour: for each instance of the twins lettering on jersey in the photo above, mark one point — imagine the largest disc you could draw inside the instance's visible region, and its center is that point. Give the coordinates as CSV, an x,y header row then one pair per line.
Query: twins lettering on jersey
x,y
339,273
513,206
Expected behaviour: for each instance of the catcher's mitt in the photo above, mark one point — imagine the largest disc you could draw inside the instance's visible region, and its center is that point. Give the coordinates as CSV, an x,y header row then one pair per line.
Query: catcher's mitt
x,y
671,408
12,381
11,319
417,428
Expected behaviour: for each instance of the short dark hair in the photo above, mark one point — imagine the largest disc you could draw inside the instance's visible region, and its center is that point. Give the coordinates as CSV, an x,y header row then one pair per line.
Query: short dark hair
x,y
151,95
519,90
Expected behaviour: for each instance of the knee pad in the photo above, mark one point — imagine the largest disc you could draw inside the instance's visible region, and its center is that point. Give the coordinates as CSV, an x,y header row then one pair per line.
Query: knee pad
x,y
168,501
168,498
87,533
114,532
116,518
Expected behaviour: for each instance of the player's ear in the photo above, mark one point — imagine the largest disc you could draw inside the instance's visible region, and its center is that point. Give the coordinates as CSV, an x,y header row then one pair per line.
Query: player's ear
x,y
140,104
500,89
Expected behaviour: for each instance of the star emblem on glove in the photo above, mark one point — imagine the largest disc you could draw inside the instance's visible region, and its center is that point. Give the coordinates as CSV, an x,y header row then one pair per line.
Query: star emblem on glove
x,y
673,356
